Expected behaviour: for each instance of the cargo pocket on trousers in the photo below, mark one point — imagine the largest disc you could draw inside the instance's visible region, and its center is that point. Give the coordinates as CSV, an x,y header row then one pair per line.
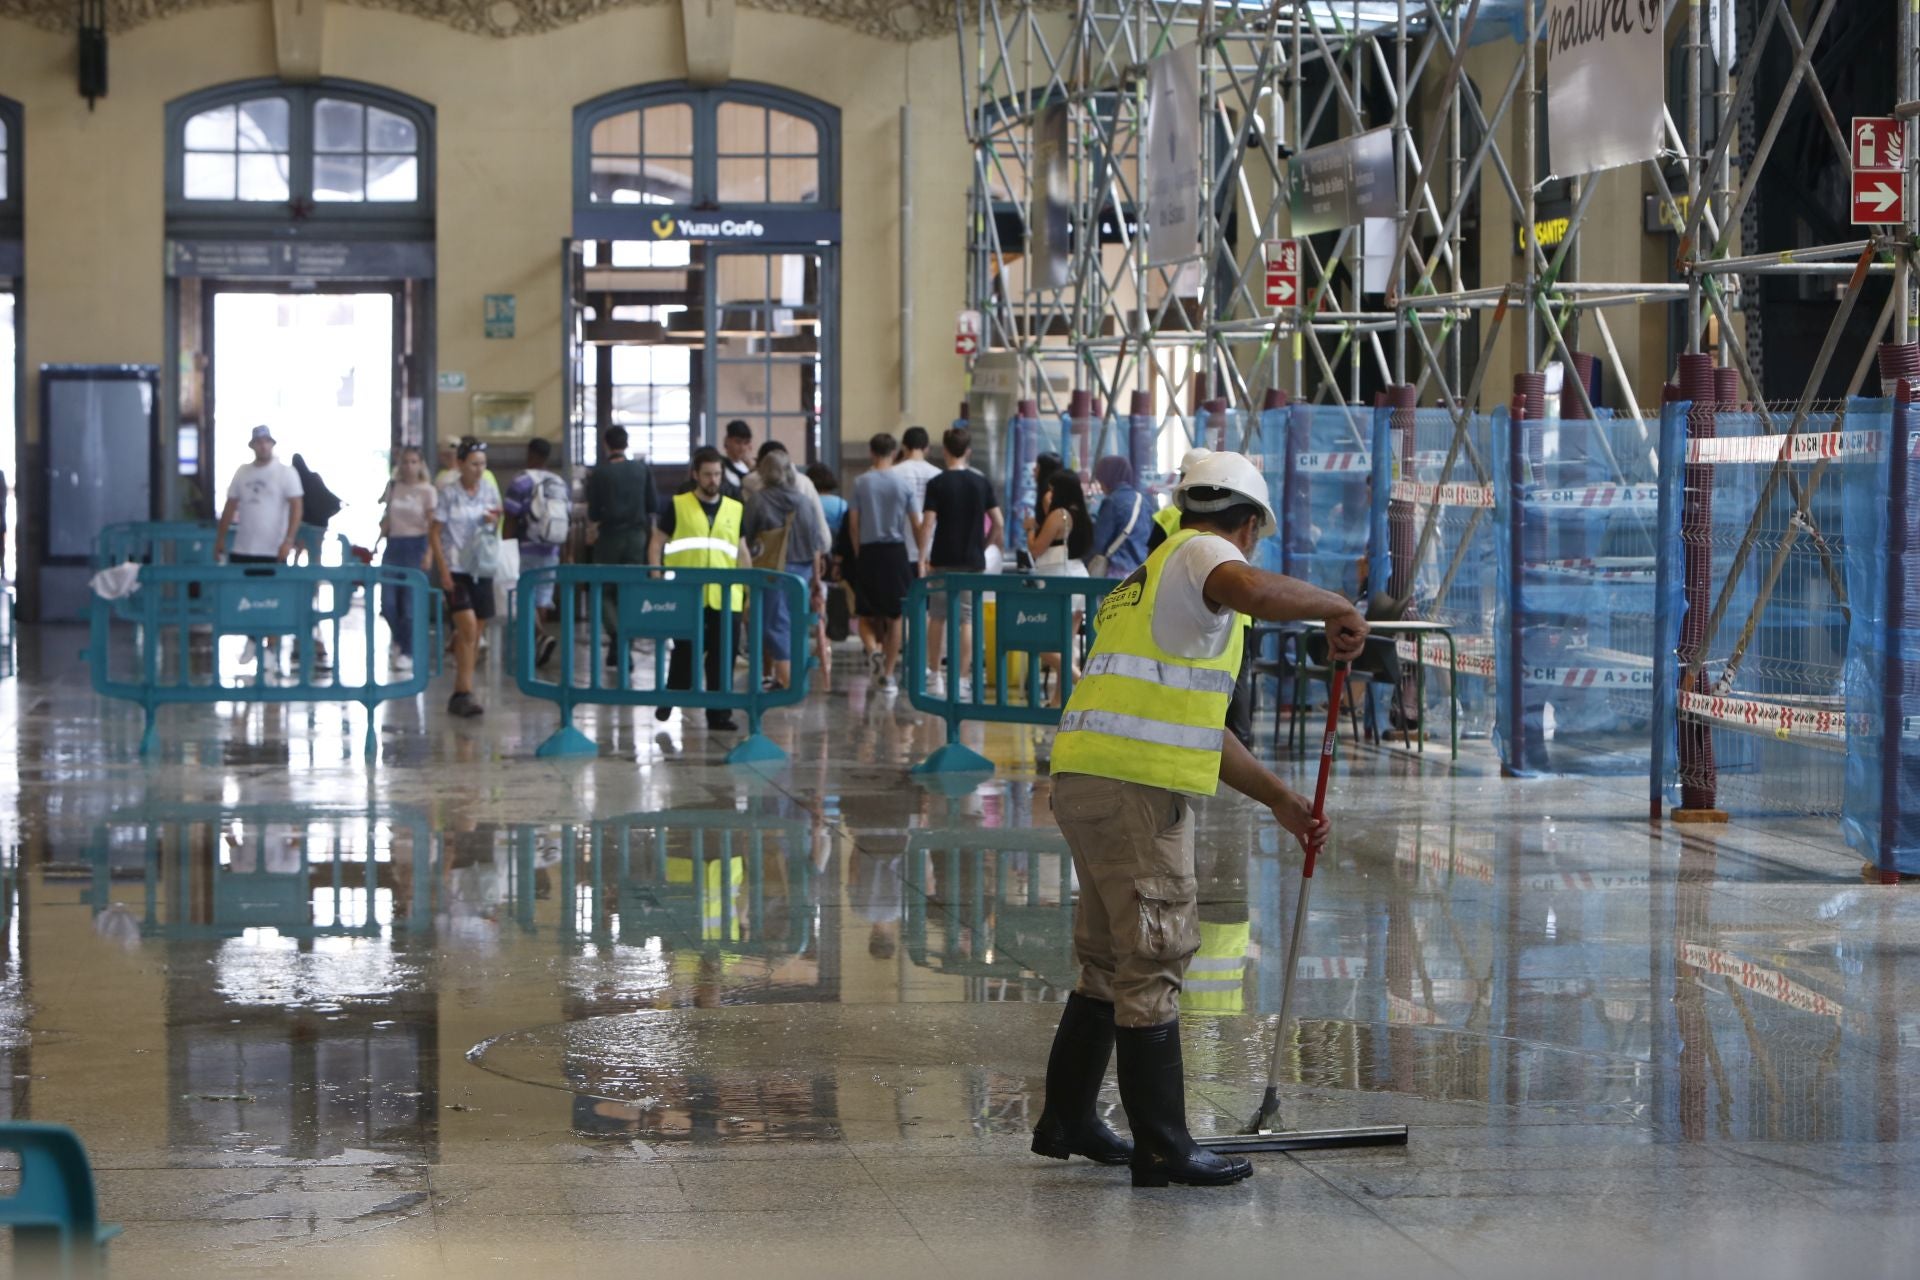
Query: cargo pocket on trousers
x,y
1167,924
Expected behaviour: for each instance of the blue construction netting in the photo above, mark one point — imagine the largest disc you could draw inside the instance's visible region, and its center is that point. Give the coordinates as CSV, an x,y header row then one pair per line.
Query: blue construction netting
x,y
1882,673
1576,565
1442,556
1326,472
1760,711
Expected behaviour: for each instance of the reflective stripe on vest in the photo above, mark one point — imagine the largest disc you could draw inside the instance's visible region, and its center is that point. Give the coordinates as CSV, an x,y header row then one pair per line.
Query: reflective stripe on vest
x,y
699,543
1142,714
1154,671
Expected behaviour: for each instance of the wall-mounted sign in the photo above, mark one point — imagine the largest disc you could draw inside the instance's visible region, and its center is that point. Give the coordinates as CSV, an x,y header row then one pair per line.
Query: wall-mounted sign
x,y
300,259
1342,183
499,315
1283,273
966,333
710,226
452,380
1879,148
1605,99
1551,223
1659,214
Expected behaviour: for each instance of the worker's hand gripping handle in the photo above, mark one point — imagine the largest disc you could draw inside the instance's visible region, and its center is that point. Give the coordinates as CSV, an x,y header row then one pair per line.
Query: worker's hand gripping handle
x,y
1336,693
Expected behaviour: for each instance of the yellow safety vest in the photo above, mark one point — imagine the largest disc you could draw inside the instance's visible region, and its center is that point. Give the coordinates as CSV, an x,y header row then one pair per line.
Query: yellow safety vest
x,y
719,918
1168,518
1140,713
697,544
1216,976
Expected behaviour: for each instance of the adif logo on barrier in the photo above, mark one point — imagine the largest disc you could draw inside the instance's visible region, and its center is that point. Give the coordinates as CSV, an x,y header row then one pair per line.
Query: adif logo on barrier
x,y
1023,618
659,606
248,606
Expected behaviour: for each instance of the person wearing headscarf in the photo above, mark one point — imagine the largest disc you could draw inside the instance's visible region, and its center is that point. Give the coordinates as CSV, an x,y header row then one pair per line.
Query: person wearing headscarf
x,y
1124,521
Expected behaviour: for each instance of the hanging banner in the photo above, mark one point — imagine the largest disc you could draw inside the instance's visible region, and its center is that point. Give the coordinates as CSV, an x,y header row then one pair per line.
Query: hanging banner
x,y
1173,156
1604,86
1053,201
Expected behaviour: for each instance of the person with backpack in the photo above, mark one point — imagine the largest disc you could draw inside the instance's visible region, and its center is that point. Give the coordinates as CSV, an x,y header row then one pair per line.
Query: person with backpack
x,y
318,505
784,522
538,504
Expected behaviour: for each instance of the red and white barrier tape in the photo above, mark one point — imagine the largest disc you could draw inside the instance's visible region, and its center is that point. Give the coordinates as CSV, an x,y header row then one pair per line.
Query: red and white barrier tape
x,y
1807,446
1770,717
1468,663
1766,982
1443,495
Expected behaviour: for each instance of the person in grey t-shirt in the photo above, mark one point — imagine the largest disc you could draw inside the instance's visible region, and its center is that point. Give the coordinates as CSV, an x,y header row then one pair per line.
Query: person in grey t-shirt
x,y
883,524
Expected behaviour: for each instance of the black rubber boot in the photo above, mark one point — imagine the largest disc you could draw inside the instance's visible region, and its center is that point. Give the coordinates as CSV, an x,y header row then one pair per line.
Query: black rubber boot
x,y
1069,1124
1153,1090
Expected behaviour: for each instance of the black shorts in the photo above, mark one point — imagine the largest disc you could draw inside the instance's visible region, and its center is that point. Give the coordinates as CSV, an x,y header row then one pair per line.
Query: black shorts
x,y
883,578
471,595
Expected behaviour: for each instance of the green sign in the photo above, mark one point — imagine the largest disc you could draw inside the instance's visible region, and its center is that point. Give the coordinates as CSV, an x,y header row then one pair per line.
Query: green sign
x,y
1030,621
499,315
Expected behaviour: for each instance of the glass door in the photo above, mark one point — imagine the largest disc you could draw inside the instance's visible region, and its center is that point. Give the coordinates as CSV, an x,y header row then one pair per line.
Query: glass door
x,y
766,337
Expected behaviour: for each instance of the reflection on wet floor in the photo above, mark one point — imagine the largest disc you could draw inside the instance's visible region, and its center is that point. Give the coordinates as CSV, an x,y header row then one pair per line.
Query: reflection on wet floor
x,y
293,1001
304,948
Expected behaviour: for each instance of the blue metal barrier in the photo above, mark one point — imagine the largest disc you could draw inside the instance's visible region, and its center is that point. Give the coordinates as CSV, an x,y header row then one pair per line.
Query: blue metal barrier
x,y
169,633
659,605
1032,616
55,1217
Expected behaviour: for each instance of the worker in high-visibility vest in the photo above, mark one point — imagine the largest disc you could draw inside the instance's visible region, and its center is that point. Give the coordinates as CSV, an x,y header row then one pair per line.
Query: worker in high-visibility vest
x,y
701,530
1143,733
1240,710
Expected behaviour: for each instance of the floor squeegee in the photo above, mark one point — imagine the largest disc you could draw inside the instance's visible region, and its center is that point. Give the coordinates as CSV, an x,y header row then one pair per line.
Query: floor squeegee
x,y
1260,1133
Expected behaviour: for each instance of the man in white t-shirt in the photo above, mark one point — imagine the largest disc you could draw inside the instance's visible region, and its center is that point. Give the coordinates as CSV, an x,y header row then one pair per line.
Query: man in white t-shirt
x,y
913,466
1143,734
263,510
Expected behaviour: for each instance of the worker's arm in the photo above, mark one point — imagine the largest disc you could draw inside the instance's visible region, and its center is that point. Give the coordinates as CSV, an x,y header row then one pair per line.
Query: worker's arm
x,y
1239,770
227,514
1273,597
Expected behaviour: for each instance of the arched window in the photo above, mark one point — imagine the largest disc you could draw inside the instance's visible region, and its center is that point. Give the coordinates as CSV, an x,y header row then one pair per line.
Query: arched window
x,y
331,150
703,280
702,148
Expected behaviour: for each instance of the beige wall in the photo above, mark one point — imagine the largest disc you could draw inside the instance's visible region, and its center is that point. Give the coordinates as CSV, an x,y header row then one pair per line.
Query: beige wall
x,y
95,200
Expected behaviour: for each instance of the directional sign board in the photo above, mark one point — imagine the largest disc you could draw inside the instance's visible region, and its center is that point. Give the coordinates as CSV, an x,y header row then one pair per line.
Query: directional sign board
x,y
1283,273
1879,170
966,333
1879,197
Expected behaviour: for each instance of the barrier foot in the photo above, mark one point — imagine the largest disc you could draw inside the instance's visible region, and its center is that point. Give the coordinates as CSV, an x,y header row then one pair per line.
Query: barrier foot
x,y
567,741
756,748
955,758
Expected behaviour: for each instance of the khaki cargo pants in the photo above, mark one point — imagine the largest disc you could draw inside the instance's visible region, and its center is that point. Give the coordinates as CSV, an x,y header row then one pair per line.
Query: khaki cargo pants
x,y
1136,923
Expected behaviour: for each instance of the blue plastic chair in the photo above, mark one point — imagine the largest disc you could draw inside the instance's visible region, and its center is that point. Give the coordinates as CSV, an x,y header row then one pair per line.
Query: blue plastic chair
x,y
56,1224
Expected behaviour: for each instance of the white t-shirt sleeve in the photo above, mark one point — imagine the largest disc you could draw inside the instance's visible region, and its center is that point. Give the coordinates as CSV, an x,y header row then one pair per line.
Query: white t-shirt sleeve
x,y
290,486
233,485
1183,622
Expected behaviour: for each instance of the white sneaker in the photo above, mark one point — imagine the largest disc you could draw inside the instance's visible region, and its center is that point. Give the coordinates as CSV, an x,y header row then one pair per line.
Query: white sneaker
x,y
966,689
251,653
936,685
402,664
270,659
889,685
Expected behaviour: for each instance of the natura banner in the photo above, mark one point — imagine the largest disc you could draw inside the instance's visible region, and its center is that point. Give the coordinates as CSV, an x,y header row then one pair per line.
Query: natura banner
x,y
1604,90
1173,156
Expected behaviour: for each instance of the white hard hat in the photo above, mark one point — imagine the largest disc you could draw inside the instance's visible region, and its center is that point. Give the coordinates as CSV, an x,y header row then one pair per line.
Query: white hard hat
x,y
1234,473
1193,457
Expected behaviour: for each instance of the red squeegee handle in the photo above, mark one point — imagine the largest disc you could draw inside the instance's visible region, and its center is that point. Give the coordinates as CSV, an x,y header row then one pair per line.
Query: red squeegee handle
x,y
1336,692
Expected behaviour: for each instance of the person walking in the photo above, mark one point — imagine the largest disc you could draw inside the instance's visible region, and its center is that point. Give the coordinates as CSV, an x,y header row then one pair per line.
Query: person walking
x,y
465,538
885,516
539,506
833,601
318,506
263,507
622,506
779,505
1123,523
737,446
961,518
913,465
1060,546
701,530
407,523
1142,735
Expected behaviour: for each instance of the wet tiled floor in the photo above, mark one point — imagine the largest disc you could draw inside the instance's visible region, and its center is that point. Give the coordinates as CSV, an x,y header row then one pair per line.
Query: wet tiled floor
x,y
464,1012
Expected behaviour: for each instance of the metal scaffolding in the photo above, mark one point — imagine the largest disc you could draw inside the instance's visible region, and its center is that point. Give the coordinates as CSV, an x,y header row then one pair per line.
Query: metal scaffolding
x,y
1279,78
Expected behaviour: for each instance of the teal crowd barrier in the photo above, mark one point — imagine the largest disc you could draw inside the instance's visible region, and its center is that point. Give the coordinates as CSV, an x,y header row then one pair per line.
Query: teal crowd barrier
x,y
190,542
53,1212
1032,616
162,644
990,903
621,605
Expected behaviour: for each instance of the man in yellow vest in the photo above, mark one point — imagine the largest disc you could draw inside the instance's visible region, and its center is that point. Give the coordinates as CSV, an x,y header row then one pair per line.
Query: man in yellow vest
x,y
701,530
1142,735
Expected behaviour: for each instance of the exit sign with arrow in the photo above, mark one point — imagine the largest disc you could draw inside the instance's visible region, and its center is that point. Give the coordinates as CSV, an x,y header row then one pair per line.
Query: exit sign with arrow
x,y
1879,198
